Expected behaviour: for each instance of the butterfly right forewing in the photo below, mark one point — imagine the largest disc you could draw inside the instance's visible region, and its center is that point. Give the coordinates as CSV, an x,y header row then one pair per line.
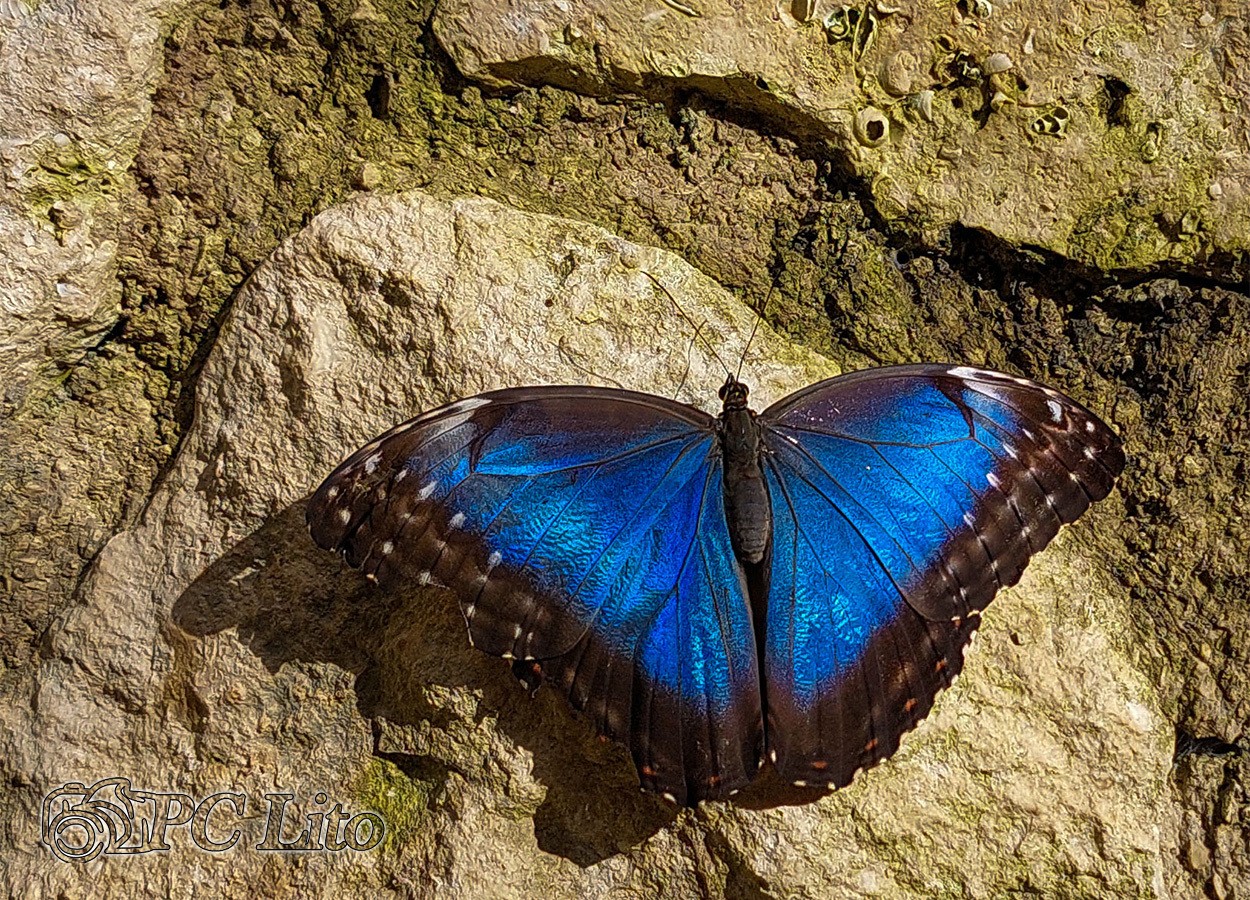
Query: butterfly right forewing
x,y
903,499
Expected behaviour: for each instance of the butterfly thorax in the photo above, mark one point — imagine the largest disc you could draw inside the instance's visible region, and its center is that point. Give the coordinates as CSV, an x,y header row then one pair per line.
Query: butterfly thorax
x,y
747,508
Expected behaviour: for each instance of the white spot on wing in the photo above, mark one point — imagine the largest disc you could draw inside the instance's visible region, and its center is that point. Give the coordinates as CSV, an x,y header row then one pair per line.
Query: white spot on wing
x,y
345,515
1056,411
457,520
494,560
387,547
993,480
964,372
401,475
333,492
371,464
1050,501
445,418
1089,426
425,492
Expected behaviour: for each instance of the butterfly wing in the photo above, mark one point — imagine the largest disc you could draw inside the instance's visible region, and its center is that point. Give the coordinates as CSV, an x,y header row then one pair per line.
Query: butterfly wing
x,y
903,499
582,528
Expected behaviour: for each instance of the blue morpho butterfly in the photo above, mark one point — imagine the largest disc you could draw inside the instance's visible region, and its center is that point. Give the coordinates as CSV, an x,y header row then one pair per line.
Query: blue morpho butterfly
x,y
795,585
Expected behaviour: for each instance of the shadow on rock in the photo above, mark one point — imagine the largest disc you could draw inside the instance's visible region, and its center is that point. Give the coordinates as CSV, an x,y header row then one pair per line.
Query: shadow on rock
x,y
291,601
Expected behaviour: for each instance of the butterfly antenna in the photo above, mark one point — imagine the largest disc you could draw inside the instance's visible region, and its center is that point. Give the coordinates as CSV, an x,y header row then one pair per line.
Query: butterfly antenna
x,y
698,329
686,374
589,373
759,317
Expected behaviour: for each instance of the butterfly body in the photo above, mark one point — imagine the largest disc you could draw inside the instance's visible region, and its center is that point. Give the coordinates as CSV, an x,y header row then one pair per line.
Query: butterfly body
x,y
795,585
747,508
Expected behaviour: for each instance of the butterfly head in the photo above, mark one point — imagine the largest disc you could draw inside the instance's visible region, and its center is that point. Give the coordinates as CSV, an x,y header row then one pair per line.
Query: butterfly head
x,y
733,394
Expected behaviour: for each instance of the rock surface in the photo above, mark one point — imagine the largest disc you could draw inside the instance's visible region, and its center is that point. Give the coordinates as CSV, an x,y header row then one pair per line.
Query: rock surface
x,y
77,84
75,95
155,154
1112,134
214,648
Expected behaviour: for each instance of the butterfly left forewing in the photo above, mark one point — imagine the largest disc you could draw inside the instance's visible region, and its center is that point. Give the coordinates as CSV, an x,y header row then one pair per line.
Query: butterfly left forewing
x,y
581,529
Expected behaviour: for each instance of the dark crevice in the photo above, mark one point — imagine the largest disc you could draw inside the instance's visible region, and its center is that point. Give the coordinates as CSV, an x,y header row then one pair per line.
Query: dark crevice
x,y
736,101
983,258
42,643
1189,745
416,768
183,411
115,334
379,96
444,68
1114,95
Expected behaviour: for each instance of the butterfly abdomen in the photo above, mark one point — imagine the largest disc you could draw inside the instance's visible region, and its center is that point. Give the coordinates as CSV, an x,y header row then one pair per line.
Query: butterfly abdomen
x,y
747,508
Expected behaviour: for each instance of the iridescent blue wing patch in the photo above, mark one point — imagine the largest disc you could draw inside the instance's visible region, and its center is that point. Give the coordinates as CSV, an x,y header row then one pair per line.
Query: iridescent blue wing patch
x,y
583,529
903,498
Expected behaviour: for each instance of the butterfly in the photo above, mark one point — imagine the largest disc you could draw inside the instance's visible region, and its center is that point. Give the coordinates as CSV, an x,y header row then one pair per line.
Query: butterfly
x,y
795,585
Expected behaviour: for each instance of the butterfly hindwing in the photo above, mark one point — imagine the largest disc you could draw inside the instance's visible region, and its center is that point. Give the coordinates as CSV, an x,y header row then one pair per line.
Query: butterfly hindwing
x,y
903,499
584,529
